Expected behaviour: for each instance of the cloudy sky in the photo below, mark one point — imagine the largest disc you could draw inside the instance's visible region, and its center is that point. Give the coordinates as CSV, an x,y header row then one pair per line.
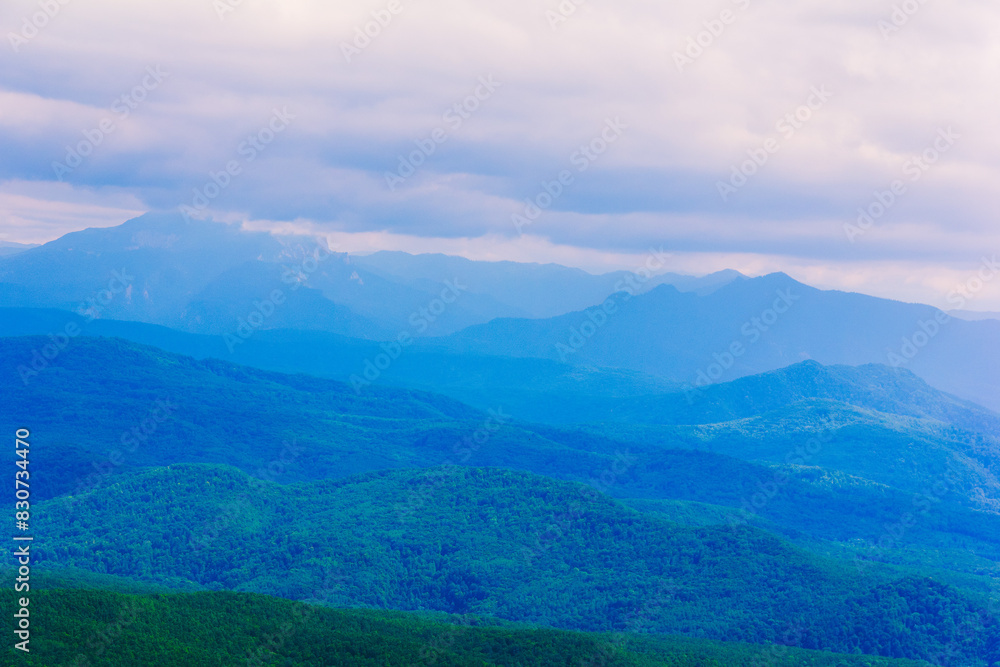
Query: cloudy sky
x,y
743,134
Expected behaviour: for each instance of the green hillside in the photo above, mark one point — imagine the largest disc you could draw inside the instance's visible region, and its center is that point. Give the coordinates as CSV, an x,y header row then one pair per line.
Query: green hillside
x,y
873,386
105,406
83,628
846,472
907,453
495,543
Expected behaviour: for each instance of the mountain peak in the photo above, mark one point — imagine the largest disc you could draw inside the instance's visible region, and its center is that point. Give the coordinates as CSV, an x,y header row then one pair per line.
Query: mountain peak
x,y
778,277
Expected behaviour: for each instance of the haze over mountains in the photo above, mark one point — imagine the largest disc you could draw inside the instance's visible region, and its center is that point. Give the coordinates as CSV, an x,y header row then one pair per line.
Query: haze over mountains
x,y
974,315
203,277
274,395
536,290
10,248
142,471
874,429
224,410
668,330
754,326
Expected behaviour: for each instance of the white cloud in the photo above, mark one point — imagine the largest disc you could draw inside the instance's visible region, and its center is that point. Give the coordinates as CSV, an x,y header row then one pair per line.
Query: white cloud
x,y
657,185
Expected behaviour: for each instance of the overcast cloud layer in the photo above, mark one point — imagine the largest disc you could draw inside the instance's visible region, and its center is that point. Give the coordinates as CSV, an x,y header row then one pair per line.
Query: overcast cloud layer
x,y
875,86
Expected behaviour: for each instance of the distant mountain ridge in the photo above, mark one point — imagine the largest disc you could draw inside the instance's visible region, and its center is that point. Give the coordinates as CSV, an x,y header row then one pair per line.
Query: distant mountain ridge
x,y
223,410
320,428
974,315
8,248
873,386
536,290
537,389
210,278
207,277
748,327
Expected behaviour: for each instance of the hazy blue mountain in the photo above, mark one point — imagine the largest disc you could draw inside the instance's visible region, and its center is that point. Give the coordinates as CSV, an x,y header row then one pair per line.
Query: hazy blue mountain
x,y
152,284
873,386
974,315
738,330
536,389
902,452
205,277
541,390
413,307
8,248
89,401
530,290
237,300
98,409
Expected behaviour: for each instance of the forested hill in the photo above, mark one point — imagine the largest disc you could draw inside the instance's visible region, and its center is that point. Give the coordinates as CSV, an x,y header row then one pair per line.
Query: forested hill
x,y
236,630
497,543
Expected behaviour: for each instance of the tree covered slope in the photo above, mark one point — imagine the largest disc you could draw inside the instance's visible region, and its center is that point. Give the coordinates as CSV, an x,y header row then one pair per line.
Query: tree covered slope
x,y
497,543
84,627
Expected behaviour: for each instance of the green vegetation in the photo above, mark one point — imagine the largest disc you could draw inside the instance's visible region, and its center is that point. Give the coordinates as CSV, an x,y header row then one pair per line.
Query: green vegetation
x,y
87,405
296,428
874,386
83,628
710,533
903,452
497,543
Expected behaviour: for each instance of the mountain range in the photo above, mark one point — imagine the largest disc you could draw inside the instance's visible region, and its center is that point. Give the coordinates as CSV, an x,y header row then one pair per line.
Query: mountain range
x,y
231,417
214,279
204,277
837,462
10,248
